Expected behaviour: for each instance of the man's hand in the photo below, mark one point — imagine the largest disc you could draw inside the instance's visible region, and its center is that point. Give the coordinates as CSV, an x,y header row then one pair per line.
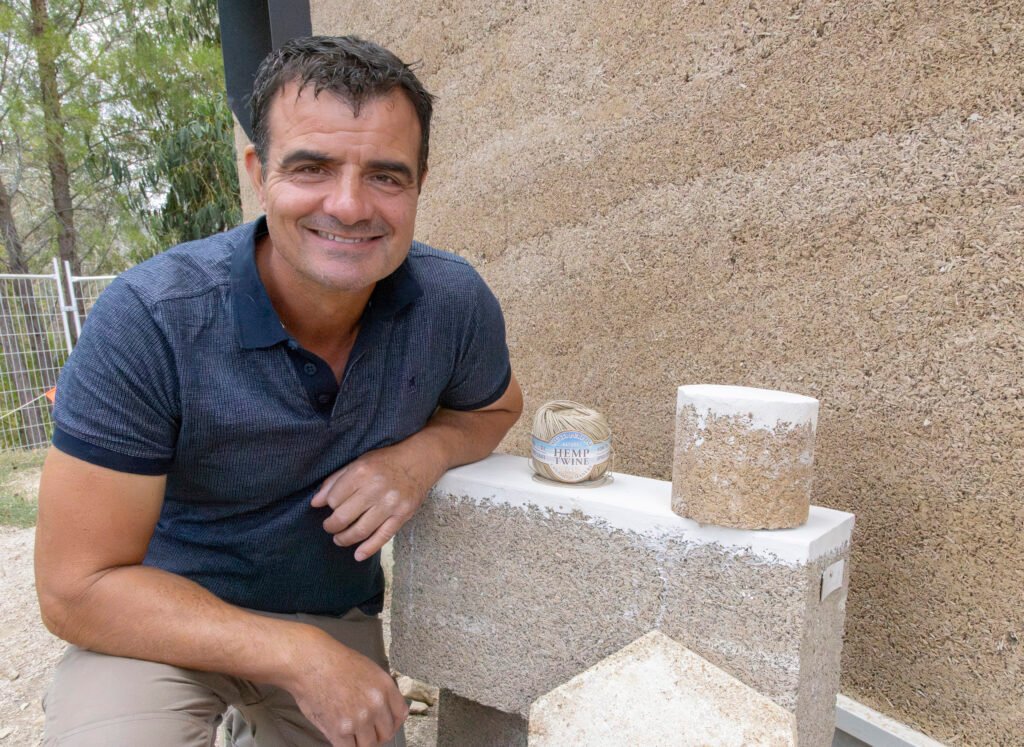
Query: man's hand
x,y
374,495
93,530
349,698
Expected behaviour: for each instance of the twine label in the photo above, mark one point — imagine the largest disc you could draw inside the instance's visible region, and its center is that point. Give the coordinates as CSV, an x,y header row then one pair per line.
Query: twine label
x,y
571,454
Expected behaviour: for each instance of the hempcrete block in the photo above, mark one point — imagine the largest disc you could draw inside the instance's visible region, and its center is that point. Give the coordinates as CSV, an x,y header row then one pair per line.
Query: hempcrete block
x,y
744,457
505,588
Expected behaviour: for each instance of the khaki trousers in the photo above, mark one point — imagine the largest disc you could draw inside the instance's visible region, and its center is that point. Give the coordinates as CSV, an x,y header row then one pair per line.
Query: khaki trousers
x,y
108,701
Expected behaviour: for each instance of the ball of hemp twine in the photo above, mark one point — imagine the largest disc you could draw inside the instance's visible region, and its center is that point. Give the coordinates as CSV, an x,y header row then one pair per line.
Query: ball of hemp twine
x,y
561,416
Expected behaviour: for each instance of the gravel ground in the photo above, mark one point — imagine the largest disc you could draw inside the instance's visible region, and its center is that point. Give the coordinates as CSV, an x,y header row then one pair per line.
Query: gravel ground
x,y
28,652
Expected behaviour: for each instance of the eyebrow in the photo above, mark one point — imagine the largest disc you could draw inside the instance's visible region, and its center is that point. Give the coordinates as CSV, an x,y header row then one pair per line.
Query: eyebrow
x,y
304,156
396,167
315,156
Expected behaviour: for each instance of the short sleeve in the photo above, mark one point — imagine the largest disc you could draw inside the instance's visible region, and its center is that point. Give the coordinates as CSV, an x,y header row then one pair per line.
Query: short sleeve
x,y
117,404
482,370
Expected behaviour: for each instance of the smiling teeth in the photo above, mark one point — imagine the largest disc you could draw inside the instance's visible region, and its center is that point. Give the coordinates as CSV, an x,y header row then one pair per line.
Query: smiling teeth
x,y
340,239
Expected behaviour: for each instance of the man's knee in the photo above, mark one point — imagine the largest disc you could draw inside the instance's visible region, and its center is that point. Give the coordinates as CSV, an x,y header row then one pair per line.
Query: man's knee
x,y
108,700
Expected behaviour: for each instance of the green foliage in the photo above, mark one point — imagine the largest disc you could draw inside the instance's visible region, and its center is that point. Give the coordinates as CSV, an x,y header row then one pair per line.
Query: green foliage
x,y
197,162
147,131
19,479
17,512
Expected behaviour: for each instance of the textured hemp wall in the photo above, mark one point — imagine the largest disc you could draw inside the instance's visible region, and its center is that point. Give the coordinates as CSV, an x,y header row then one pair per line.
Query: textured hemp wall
x,y
821,197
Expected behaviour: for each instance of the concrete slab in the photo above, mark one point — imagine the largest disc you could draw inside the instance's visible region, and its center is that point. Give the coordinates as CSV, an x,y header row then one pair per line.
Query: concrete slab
x,y
642,505
657,692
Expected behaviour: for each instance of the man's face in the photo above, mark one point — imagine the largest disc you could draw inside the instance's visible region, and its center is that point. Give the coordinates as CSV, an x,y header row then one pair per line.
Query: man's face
x,y
339,191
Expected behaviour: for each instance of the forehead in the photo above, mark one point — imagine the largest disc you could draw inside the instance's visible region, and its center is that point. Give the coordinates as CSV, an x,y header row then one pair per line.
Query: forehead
x,y
297,115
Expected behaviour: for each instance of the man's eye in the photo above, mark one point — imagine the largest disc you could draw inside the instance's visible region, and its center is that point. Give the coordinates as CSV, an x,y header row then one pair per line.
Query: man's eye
x,y
385,179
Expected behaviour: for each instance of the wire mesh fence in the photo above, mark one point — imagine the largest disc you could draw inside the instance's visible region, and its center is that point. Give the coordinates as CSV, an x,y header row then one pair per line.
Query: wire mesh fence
x,y
39,319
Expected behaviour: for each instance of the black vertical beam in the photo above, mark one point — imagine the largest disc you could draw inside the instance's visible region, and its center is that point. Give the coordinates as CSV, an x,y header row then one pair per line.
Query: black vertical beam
x,y
249,29
288,19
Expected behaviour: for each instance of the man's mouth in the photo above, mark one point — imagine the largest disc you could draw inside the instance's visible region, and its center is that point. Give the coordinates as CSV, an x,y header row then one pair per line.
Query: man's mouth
x,y
343,239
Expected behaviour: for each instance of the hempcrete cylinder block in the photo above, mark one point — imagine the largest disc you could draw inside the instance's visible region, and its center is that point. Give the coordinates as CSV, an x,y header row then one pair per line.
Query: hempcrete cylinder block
x,y
744,457
504,588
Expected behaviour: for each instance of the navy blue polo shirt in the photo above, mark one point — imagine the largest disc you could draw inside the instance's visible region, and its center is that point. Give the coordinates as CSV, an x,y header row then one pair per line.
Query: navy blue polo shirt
x,y
184,369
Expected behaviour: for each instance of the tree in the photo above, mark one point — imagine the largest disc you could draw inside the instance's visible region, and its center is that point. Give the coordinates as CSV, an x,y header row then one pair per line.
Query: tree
x,y
192,174
45,44
113,114
197,165
115,141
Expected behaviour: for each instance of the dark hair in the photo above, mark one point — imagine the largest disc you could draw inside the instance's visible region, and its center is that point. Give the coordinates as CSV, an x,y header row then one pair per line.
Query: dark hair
x,y
351,68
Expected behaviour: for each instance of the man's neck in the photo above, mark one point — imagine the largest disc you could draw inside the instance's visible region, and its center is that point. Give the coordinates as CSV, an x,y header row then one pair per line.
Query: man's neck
x,y
323,321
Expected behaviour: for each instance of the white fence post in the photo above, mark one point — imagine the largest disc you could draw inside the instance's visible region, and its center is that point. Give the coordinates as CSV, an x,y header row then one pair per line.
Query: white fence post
x,y
31,349
83,293
64,307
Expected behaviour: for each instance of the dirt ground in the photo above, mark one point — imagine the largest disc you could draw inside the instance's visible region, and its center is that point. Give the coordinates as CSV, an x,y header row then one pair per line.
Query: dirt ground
x,y
28,652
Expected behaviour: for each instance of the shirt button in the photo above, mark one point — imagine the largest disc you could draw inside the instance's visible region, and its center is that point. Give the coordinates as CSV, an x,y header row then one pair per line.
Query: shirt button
x,y
292,345
323,399
309,368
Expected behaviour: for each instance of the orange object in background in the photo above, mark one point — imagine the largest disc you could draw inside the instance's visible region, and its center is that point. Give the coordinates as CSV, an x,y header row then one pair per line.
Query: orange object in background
x,y
51,394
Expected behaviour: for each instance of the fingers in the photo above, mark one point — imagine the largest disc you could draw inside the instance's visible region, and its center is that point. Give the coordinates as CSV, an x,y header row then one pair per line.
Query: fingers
x,y
370,500
365,513
382,715
367,737
394,713
320,499
379,538
363,527
389,713
399,709
353,515
347,696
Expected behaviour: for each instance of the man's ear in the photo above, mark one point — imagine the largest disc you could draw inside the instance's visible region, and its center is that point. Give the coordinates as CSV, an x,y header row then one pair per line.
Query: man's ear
x,y
255,170
423,179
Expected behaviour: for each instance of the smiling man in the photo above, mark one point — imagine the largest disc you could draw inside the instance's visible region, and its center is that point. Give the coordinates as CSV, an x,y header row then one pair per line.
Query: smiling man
x,y
249,418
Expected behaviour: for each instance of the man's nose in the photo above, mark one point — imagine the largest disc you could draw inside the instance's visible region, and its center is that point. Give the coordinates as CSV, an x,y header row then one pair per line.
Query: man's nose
x,y
348,200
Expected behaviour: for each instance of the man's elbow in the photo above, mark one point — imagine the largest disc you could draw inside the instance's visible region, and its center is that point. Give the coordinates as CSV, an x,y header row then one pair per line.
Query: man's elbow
x,y
62,605
55,610
511,401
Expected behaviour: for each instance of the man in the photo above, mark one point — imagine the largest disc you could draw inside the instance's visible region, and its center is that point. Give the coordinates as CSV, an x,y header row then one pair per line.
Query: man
x,y
248,419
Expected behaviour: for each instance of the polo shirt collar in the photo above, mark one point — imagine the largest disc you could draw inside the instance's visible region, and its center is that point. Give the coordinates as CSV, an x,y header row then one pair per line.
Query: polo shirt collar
x,y
256,320
394,293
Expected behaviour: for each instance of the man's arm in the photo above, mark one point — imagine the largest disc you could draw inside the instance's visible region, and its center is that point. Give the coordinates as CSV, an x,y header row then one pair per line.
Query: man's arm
x,y
93,530
377,493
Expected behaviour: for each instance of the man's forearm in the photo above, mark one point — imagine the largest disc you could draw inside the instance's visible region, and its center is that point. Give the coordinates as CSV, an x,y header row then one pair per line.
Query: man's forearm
x,y
373,496
94,591
146,613
453,437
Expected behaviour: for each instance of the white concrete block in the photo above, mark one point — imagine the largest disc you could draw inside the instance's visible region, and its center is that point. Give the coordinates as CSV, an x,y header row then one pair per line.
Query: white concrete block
x,y
644,506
